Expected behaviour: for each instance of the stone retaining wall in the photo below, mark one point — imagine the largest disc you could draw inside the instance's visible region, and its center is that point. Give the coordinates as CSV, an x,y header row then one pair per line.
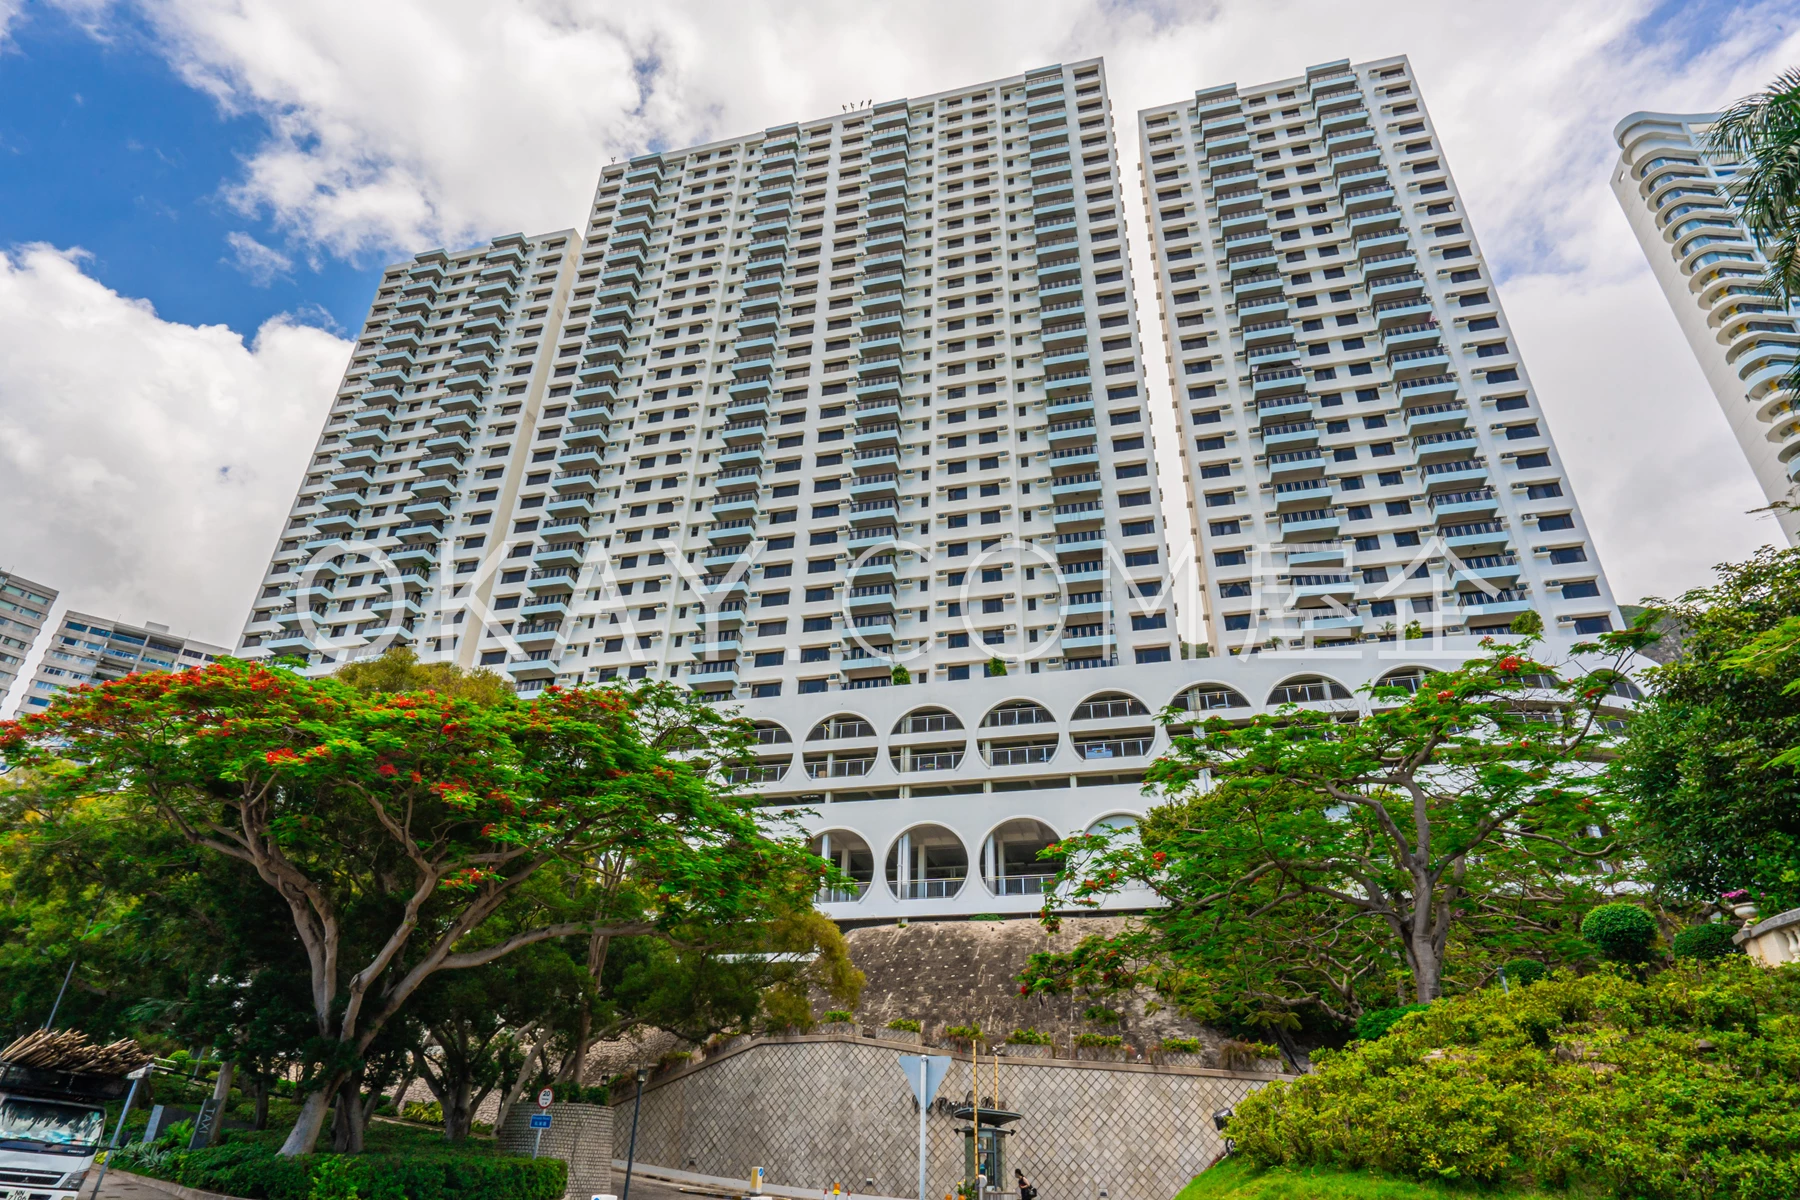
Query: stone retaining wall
x,y
818,1110
579,1134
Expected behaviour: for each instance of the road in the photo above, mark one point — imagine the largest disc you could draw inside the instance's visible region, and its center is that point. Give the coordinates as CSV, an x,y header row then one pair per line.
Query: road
x,y
120,1188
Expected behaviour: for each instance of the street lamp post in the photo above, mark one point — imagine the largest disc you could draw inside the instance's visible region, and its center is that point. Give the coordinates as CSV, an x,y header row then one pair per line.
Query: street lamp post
x,y
643,1073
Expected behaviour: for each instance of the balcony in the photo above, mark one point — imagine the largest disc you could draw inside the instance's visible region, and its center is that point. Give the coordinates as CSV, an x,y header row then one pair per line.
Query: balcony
x,y
1447,476
1461,503
1311,525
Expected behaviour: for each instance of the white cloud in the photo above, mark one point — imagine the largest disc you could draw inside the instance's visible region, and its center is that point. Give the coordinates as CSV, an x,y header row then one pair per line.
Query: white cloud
x,y
261,264
415,123
147,463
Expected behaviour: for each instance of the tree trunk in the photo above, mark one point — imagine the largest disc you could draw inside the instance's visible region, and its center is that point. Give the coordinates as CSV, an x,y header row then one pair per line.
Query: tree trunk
x,y
598,945
459,1113
347,1127
528,1069
259,1089
311,1122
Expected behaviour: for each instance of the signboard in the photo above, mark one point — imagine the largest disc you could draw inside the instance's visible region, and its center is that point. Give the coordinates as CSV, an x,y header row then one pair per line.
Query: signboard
x,y
540,1120
204,1125
936,1067
546,1098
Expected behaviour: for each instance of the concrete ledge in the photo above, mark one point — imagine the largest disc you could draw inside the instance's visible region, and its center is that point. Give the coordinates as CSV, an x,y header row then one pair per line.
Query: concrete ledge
x,y
736,1187
1078,1064
173,1189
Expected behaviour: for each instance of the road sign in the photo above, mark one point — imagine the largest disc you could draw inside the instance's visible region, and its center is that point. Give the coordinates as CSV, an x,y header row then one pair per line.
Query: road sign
x,y
924,1074
540,1120
546,1098
936,1067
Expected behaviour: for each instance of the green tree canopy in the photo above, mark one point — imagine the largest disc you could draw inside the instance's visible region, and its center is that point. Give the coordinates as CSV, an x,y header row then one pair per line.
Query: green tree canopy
x,y
395,828
1307,857
1710,760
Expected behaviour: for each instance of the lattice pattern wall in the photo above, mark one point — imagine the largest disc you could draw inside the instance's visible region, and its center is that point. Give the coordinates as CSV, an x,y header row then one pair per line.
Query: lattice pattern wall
x,y
579,1134
817,1110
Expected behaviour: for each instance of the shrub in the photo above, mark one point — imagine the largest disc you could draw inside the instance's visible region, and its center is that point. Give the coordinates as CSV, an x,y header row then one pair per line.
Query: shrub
x,y
1705,942
1099,1041
1523,971
904,1025
1376,1022
838,1016
1181,1045
255,1171
1622,932
424,1112
575,1093
969,1033
1658,1090
1235,1055
1027,1037
1099,1014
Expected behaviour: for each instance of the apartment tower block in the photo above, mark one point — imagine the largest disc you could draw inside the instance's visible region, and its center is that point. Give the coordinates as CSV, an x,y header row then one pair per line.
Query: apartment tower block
x,y
1364,450
1676,196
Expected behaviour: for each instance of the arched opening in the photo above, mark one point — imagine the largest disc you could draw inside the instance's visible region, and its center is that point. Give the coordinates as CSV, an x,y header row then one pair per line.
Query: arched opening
x,y
1120,825
1408,679
1208,698
849,854
1010,865
927,862
927,721
839,727
1307,689
1109,706
1017,712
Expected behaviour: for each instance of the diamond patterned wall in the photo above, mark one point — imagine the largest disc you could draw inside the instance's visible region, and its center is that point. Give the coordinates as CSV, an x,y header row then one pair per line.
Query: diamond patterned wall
x,y
813,1111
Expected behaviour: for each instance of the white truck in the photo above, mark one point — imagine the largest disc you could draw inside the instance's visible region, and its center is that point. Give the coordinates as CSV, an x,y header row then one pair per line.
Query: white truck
x,y
52,1125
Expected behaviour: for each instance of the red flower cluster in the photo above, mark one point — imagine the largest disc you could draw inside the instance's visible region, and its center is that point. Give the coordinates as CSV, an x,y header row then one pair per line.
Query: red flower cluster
x,y
1509,663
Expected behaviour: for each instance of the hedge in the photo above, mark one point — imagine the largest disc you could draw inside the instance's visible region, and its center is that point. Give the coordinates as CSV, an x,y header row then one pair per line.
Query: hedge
x,y
1682,1087
258,1173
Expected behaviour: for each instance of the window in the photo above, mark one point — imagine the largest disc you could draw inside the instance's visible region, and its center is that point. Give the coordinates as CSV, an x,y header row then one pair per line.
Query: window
x,y
1585,625
1237,621
770,658
1143,621
1580,589
1235,558
815,654
1528,462
1553,521
1152,654
1568,554
1543,491
808,686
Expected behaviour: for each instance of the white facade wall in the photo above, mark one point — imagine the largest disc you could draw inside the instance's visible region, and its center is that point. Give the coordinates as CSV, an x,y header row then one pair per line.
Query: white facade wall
x,y
1674,195
399,528
1362,444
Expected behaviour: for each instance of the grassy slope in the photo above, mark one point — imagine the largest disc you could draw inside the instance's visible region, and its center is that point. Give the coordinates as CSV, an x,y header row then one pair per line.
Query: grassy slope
x,y
1236,1179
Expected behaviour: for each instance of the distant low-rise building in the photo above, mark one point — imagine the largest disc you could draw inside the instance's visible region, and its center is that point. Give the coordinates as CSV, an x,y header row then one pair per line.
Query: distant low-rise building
x,y
90,649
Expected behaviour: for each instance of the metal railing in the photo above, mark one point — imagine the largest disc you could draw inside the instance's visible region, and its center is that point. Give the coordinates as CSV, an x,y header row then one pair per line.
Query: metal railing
x,y
1115,748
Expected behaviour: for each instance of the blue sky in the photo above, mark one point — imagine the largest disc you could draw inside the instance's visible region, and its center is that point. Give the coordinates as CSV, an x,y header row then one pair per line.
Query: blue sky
x,y
102,146
196,195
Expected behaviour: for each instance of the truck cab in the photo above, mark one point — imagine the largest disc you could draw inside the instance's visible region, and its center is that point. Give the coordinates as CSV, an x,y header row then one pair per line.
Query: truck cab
x,y
47,1145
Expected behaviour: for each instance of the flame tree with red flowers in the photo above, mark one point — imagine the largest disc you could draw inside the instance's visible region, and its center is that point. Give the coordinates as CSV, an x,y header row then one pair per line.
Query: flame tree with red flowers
x,y
429,811
1319,862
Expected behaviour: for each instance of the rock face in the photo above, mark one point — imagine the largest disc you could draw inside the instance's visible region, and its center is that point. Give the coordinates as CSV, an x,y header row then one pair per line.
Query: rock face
x,y
961,972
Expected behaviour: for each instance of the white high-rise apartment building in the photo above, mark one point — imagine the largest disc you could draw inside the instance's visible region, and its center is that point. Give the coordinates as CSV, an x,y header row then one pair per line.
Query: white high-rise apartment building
x,y
1363,447
842,422
24,607
1674,194
436,431
90,649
